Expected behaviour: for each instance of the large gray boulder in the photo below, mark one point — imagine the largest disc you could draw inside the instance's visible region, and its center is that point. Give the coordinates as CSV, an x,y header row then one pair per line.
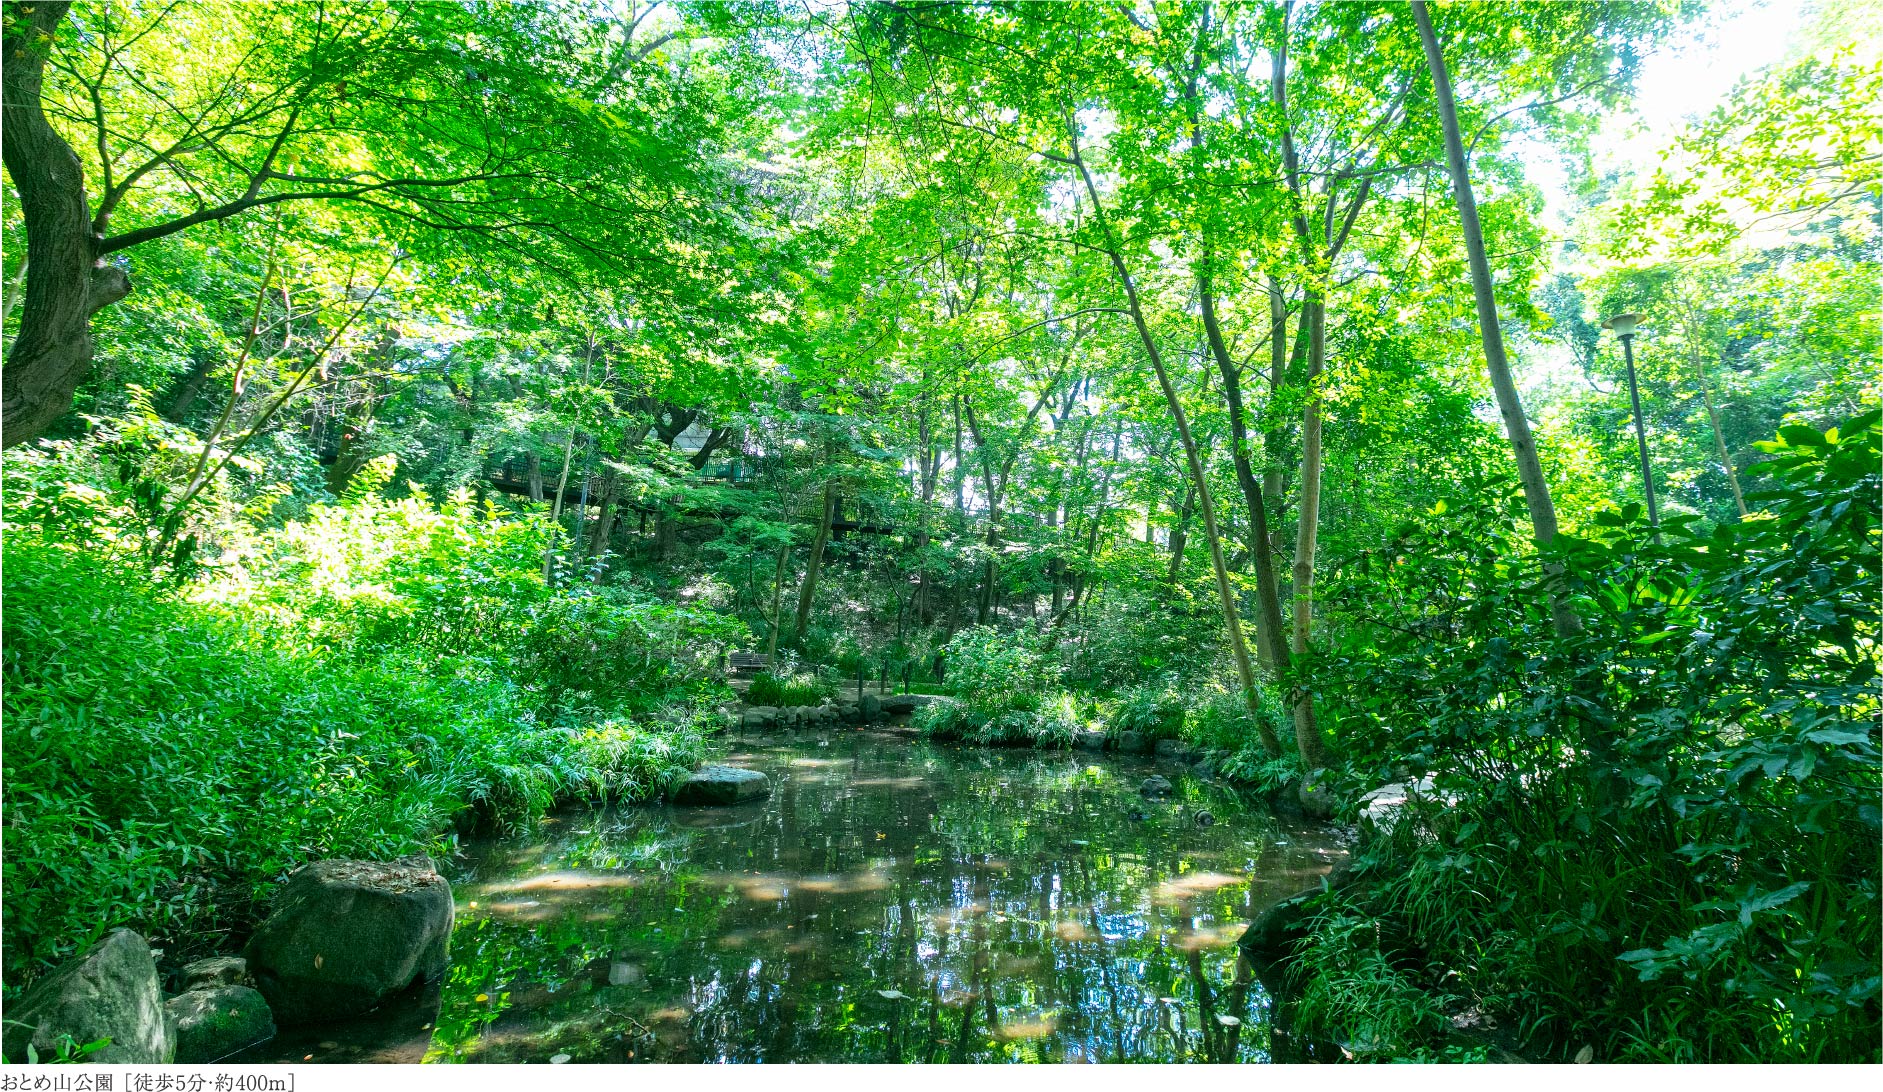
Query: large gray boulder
x,y
761,716
216,1021
346,935
110,992
870,708
899,705
722,785
1089,740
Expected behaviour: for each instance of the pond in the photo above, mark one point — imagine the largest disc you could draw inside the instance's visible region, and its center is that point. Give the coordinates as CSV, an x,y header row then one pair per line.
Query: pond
x,y
892,901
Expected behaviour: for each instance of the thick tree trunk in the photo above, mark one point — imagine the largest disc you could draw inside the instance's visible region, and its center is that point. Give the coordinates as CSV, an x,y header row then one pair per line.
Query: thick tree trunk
x,y
1536,489
807,592
536,477
66,280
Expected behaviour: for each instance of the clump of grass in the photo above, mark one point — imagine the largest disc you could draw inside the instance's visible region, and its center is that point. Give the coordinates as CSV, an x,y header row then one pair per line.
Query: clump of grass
x,y
785,690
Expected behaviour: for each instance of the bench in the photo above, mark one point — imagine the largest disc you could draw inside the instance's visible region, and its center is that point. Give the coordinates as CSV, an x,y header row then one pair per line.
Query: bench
x,y
748,663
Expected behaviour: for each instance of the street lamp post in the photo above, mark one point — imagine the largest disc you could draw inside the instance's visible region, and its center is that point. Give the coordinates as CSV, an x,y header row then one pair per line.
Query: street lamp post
x,y
1624,327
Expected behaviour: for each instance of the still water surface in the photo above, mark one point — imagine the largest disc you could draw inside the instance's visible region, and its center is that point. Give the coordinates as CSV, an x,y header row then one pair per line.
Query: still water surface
x,y
892,901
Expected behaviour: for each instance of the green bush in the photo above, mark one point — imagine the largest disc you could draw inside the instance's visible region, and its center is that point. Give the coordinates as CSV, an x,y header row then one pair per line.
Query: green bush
x,y
1155,709
788,690
165,764
1358,996
372,574
993,671
1664,837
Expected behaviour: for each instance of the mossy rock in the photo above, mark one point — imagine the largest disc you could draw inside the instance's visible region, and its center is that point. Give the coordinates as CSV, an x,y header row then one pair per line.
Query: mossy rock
x,y
215,1022
111,992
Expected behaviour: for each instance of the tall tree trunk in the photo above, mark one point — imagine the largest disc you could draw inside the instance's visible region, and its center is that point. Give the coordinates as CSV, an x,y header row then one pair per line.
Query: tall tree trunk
x,y
66,279
961,504
1307,528
562,480
1268,630
1232,622
807,592
1536,489
605,522
183,398
778,595
1180,534
1719,438
536,477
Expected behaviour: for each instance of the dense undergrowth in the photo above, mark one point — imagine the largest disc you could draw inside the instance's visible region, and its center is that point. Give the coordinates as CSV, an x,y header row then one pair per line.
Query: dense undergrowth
x,y
1655,838
349,684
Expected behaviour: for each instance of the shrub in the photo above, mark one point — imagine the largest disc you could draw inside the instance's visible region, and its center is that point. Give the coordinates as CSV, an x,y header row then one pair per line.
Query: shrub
x,y
372,574
1711,727
165,763
1156,709
993,671
1356,996
788,689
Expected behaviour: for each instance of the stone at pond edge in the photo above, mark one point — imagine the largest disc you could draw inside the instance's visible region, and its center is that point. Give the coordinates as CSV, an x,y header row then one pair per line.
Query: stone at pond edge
x,y
1271,935
222,970
722,785
1316,794
1175,750
761,716
345,935
109,992
1131,743
870,708
1155,785
1089,740
899,705
215,1022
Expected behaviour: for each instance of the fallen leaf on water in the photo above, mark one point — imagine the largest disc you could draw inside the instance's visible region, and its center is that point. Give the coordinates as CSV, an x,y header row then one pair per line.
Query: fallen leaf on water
x,y
1228,1021
891,995
482,997
1585,1055
558,1059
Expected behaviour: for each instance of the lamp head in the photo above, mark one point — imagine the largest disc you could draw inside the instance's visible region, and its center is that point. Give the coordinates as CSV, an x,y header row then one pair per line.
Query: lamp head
x,y
1624,324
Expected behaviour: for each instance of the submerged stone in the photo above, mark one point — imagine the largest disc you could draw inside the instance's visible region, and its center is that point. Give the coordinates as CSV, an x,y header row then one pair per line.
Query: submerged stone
x,y
722,785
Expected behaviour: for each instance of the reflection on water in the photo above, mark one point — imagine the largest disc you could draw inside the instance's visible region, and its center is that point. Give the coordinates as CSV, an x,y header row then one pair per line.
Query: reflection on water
x,y
891,901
